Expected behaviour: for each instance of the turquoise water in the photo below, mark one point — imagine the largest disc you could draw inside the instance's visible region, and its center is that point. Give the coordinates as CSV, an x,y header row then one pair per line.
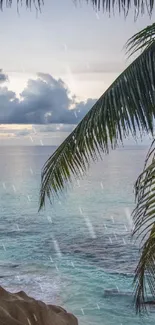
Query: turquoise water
x,y
77,253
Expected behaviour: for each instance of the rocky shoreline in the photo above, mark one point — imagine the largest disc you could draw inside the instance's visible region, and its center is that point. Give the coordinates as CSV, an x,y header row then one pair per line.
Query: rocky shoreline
x,y
20,309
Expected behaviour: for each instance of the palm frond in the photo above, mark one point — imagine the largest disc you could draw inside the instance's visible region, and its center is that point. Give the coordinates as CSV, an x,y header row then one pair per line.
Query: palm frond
x,y
141,40
28,3
144,221
110,6
127,107
124,6
145,274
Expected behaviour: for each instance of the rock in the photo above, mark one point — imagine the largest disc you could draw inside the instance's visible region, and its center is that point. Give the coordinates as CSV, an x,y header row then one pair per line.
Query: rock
x,y
20,309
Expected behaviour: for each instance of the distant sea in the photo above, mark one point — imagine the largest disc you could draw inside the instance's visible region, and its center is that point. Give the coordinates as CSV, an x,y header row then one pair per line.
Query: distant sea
x,y
77,253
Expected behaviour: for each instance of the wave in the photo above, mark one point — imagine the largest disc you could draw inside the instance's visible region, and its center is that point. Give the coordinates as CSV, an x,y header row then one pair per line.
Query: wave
x,y
121,273
42,287
116,292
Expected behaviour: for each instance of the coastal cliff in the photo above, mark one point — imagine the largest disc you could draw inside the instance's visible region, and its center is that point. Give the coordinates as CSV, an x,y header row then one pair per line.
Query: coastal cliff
x,y
20,309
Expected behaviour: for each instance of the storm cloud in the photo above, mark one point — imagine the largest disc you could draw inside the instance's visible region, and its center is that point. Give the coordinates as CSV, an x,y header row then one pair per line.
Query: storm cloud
x,y
45,100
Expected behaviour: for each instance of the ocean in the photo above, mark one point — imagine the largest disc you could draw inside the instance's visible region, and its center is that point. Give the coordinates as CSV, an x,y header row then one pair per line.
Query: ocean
x,y
77,253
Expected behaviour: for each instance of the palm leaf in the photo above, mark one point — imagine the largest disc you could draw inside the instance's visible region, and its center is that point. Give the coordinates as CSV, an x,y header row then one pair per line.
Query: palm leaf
x,y
28,3
142,40
144,220
140,7
145,274
127,107
110,6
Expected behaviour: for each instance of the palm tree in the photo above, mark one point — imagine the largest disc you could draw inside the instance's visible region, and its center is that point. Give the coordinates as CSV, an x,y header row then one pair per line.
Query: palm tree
x,y
126,108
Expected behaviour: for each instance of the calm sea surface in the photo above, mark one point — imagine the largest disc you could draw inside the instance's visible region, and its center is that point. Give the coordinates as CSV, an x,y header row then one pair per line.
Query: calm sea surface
x,y
77,253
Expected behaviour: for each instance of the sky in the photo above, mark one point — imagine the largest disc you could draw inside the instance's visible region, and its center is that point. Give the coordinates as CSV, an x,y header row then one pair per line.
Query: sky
x,y
55,65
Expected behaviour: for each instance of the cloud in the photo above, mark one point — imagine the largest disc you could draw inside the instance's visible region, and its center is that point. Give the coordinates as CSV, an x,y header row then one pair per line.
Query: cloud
x,y
35,131
15,130
3,76
45,100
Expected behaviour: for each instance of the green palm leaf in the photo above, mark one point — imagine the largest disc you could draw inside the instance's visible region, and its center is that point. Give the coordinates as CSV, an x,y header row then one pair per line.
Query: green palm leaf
x,y
127,107
144,220
145,274
142,40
